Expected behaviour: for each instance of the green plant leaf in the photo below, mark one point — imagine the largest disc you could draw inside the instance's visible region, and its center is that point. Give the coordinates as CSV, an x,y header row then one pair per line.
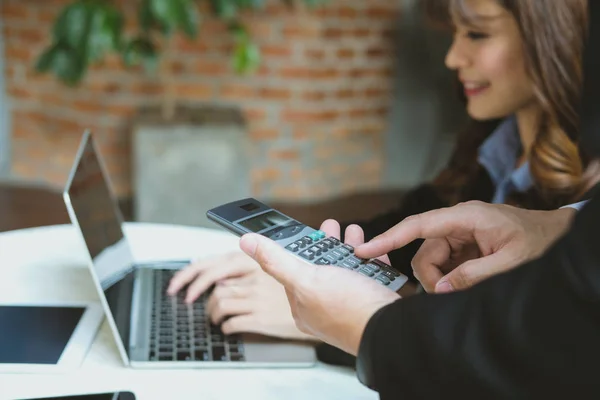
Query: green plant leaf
x,y
73,23
174,14
141,51
246,57
105,32
64,62
225,9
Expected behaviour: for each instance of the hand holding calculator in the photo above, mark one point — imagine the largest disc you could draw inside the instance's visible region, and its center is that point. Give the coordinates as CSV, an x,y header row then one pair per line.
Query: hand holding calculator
x,y
251,216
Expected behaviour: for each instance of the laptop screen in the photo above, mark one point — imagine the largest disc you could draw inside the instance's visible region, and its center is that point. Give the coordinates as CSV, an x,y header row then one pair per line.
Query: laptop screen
x,y
96,213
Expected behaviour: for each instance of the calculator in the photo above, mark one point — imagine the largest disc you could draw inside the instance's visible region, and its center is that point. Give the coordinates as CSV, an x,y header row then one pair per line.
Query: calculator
x,y
252,216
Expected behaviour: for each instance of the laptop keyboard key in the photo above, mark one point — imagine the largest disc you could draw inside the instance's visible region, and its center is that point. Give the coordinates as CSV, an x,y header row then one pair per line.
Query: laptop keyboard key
x,y
219,353
201,355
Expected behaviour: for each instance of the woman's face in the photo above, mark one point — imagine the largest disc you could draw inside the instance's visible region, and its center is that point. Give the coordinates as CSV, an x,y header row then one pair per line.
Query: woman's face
x,y
487,54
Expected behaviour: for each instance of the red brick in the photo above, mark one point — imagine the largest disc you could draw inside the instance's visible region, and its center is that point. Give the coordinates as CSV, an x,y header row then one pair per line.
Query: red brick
x,y
47,17
375,52
379,12
275,94
90,106
254,114
193,91
276,51
14,10
362,32
20,53
315,54
345,94
314,95
346,53
263,175
258,134
234,91
284,154
211,68
309,116
333,33
348,12
20,92
301,31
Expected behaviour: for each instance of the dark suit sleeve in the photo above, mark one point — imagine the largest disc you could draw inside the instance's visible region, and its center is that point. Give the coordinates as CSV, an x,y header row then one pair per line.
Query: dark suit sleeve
x,y
533,332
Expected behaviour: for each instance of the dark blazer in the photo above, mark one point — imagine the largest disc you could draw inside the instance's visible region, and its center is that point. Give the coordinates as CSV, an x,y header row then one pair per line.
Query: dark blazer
x,y
530,333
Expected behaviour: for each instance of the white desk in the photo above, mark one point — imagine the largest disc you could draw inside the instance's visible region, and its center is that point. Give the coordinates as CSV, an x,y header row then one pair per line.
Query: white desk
x,y
49,264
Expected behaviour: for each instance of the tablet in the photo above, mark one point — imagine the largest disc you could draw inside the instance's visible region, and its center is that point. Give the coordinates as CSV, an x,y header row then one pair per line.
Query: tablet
x,y
43,337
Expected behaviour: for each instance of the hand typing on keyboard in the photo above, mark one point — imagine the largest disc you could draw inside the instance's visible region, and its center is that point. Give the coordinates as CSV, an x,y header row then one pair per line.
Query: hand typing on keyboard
x,y
245,298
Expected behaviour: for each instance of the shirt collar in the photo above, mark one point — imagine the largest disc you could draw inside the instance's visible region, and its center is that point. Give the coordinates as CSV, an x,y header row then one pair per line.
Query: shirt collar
x,y
499,152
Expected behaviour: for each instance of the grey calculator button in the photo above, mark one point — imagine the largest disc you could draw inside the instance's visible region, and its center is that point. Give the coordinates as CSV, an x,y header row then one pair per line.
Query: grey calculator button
x,y
337,253
330,258
316,250
309,255
383,280
348,264
322,246
293,247
388,274
322,261
327,242
342,250
373,266
348,247
366,272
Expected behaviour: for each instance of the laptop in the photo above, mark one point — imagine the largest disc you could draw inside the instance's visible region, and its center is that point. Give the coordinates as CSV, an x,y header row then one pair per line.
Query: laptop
x,y
152,329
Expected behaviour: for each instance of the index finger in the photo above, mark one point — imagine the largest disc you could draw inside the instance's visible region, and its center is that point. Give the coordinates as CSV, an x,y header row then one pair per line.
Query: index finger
x,y
429,225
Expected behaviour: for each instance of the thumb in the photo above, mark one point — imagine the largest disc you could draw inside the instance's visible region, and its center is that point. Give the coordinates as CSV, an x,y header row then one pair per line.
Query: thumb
x,y
474,271
274,259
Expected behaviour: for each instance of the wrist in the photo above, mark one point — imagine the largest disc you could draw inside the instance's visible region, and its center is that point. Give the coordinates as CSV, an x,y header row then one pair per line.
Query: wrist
x,y
358,328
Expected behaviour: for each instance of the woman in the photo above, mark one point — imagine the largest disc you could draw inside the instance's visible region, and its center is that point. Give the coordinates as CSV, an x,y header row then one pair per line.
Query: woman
x,y
519,65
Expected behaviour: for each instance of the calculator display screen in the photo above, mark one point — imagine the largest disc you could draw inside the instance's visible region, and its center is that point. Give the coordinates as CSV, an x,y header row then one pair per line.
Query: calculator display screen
x,y
264,221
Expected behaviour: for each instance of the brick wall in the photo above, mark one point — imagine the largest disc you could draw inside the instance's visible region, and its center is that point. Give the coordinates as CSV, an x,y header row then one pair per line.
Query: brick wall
x,y
316,110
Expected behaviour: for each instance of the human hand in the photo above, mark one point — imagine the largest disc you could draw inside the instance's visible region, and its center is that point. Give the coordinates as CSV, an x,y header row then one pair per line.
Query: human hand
x,y
330,303
245,298
471,241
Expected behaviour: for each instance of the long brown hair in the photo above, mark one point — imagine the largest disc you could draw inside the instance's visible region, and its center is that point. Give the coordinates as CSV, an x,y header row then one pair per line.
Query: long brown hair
x,y
553,34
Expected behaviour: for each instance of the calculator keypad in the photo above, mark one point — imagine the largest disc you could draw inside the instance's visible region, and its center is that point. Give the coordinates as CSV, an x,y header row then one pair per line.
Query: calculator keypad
x,y
322,250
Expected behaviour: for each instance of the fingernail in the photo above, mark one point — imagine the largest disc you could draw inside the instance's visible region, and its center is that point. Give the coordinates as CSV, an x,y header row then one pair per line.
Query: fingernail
x,y
249,244
444,287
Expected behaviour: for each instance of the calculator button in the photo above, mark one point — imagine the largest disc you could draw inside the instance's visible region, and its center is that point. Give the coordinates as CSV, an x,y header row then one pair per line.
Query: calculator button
x,y
309,255
392,271
293,247
335,241
373,266
343,251
327,242
348,264
366,272
316,250
352,261
330,258
383,280
337,254
388,275
322,261
380,263
322,247
348,247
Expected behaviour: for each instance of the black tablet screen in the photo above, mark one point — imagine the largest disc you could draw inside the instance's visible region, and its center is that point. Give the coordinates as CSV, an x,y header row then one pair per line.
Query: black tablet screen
x,y
36,335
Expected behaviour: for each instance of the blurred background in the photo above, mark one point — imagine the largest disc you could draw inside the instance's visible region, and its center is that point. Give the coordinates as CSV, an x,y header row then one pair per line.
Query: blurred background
x,y
329,108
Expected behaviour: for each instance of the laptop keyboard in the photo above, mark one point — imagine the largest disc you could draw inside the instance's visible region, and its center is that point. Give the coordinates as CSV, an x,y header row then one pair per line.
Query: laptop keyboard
x,y
183,332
